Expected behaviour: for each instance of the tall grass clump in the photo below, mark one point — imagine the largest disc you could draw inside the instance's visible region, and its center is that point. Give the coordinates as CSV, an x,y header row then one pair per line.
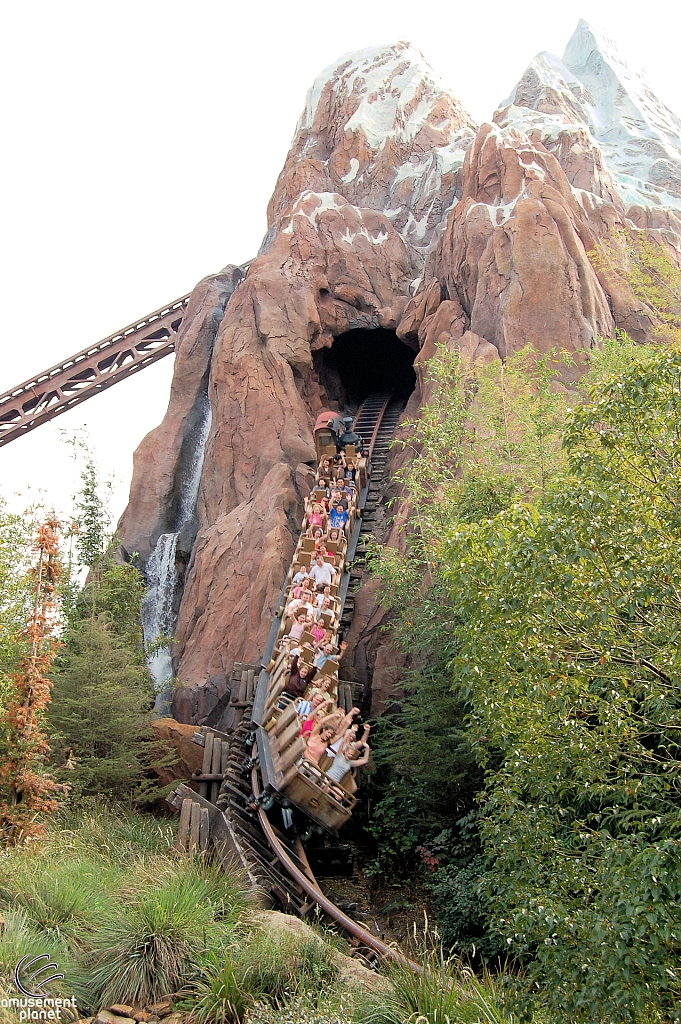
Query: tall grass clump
x,y
275,964
220,992
265,972
19,938
60,898
444,992
170,914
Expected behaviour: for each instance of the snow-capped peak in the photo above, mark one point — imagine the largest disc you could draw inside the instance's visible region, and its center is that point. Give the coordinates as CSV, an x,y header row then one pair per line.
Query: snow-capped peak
x,y
593,87
392,89
380,129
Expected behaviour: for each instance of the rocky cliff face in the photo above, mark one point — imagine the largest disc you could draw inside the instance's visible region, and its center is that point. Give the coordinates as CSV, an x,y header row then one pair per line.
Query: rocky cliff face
x,y
393,213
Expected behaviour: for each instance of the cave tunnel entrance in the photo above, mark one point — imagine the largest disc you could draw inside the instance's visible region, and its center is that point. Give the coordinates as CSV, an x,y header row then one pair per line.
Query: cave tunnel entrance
x,y
361,362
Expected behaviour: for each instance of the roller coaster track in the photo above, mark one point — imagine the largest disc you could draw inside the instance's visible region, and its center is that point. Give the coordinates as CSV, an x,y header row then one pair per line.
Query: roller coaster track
x,y
236,820
93,369
241,823
90,371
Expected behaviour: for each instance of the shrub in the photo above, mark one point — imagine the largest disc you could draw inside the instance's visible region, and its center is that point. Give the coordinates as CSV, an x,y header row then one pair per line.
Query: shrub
x,y
462,917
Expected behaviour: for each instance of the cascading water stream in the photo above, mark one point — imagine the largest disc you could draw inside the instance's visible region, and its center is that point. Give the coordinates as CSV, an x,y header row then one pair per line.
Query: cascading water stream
x,y
158,611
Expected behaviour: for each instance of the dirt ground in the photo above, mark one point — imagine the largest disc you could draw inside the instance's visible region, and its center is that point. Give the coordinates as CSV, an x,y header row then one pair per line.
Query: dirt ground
x,y
395,911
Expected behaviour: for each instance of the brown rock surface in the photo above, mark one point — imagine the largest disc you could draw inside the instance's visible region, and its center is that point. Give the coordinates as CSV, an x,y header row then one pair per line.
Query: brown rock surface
x,y
513,251
164,458
332,268
176,738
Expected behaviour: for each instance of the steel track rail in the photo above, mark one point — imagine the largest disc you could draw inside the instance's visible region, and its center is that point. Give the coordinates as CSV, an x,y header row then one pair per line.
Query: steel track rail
x,y
304,879
310,886
90,371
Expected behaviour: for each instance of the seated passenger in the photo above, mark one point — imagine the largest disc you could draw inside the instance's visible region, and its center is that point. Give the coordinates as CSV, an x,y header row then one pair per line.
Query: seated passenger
x,y
323,710
300,623
297,604
338,518
334,536
300,677
325,654
316,533
324,732
339,498
350,471
317,739
304,590
323,687
321,572
323,592
306,707
325,467
345,760
337,469
318,633
322,485
316,517
325,606
349,736
300,576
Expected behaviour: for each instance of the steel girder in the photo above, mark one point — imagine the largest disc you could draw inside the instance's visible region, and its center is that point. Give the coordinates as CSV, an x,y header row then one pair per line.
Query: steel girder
x,y
90,371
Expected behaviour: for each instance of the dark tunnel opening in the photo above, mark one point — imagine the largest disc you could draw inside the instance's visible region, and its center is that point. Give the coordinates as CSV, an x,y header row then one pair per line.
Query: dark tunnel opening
x,y
361,362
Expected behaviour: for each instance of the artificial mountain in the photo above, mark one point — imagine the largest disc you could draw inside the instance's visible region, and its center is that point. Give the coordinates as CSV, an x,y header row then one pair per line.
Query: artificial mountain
x,y
394,215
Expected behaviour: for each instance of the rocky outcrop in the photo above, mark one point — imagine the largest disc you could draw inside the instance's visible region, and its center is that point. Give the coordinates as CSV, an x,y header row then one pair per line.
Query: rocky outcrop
x,y
333,267
392,212
164,460
179,757
513,255
380,129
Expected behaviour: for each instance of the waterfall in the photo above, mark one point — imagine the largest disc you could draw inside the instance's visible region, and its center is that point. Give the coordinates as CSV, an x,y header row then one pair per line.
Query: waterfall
x,y
158,613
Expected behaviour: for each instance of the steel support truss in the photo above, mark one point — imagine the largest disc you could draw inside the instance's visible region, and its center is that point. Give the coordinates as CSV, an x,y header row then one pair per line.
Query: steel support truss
x,y
90,372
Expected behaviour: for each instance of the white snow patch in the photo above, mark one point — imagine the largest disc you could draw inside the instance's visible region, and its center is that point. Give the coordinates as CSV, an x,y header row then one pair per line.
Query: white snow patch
x,y
498,213
331,201
416,228
327,201
352,173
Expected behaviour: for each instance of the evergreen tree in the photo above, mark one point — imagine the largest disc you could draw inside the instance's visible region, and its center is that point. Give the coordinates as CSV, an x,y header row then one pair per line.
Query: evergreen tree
x,y
100,712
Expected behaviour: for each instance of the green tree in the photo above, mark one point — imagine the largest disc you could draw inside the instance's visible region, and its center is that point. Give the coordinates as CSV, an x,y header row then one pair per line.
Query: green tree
x,y
100,712
568,655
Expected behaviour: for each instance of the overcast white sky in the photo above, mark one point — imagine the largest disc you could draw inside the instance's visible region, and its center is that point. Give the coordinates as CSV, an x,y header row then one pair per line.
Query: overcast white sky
x,y
143,139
